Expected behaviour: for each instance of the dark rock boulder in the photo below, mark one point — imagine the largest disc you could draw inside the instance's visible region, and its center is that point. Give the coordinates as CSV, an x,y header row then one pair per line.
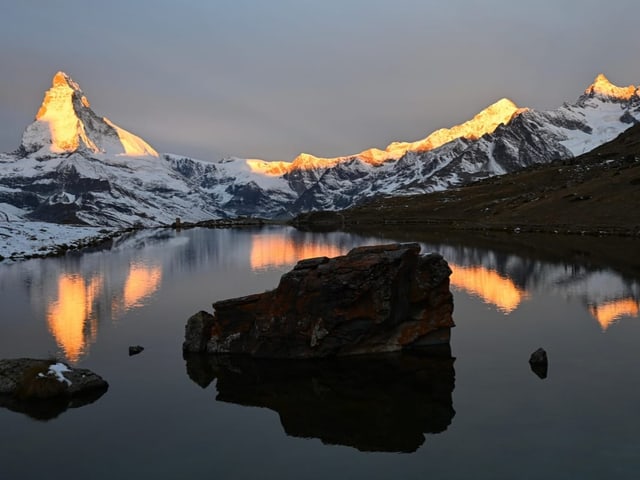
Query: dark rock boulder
x,y
383,403
374,299
43,389
539,363
135,349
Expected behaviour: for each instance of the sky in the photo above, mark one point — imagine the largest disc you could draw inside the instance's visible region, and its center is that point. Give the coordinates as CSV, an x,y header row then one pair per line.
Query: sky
x,y
272,79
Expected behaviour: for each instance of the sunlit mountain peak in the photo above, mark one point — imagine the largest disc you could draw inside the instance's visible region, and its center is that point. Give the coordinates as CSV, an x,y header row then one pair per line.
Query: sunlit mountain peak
x,y
66,123
272,169
601,86
61,79
306,161
486,121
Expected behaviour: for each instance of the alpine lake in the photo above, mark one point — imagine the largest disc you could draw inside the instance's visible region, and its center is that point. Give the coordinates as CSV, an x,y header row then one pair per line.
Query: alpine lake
x,y
481,412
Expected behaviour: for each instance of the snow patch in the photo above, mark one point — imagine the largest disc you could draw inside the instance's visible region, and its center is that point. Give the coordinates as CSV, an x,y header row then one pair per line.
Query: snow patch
x,y
57,370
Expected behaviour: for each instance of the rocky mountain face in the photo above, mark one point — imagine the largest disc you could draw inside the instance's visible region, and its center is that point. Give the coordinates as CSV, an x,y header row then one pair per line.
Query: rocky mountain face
x,y
76,167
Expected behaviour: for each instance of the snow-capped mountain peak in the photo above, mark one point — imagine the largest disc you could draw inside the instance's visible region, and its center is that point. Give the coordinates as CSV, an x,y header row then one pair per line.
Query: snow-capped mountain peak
x,y
89,178
603,88
486,121
66,123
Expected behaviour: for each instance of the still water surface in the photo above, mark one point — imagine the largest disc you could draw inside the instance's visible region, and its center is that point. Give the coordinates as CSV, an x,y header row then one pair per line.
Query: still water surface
x,y
483,415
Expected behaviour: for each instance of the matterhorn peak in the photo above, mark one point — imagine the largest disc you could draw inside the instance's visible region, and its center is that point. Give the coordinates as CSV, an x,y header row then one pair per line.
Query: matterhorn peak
x,y
65,123
603,88
62,79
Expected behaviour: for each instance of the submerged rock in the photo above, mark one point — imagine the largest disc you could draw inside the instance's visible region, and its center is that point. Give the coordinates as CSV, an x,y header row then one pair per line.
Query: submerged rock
x,y
43,389
374,299
383,403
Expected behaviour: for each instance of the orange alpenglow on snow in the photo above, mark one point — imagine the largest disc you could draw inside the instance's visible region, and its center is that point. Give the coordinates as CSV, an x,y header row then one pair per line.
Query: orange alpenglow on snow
x,y
499,113
489,285
602,86
272,169
607,313
62,111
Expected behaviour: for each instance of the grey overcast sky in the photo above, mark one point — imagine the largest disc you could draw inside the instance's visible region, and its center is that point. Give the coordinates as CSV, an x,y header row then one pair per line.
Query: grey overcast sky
x,y
271,79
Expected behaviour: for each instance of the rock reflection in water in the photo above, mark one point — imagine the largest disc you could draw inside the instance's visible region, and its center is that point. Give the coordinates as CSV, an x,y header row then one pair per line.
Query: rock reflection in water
x,y
372,403
45,410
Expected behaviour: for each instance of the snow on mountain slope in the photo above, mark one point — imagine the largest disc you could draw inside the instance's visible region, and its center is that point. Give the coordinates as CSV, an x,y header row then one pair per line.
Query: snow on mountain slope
x,y
19,239
78,168
238,187
66,123
526,137
501,112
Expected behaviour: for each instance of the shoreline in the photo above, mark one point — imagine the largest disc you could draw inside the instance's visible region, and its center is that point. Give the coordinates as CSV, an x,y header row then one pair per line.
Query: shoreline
x,y
326,221
30,243
30,240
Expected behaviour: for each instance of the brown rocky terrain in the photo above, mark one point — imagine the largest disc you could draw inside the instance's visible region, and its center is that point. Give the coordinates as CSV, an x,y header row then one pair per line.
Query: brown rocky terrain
x,y
595,193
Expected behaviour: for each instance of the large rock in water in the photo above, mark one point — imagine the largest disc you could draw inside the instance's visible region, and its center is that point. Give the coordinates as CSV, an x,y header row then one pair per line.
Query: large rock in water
x,y
374,299
43,389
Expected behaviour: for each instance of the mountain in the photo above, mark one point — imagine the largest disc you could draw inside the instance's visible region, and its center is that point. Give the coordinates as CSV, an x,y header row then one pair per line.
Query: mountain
x,y
528,137
65,123
76,167
595,193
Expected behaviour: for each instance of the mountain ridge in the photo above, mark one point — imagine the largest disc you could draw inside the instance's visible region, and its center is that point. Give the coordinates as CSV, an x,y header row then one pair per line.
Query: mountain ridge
x,y
595,193
76,167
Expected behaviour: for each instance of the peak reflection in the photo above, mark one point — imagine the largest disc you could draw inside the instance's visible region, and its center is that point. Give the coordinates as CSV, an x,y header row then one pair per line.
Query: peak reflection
x,y
489,285
271,251
72,312
608,313
71,316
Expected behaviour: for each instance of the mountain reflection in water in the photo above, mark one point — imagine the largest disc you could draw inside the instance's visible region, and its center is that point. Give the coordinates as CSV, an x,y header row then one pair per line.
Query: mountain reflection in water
x,y
268,250
71,316
73,310
82,293
609,312
577,297
489,285
141,282
383,403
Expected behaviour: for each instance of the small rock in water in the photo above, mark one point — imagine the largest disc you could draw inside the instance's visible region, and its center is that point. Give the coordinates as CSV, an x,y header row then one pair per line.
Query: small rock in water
x,y
539,363
135,350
